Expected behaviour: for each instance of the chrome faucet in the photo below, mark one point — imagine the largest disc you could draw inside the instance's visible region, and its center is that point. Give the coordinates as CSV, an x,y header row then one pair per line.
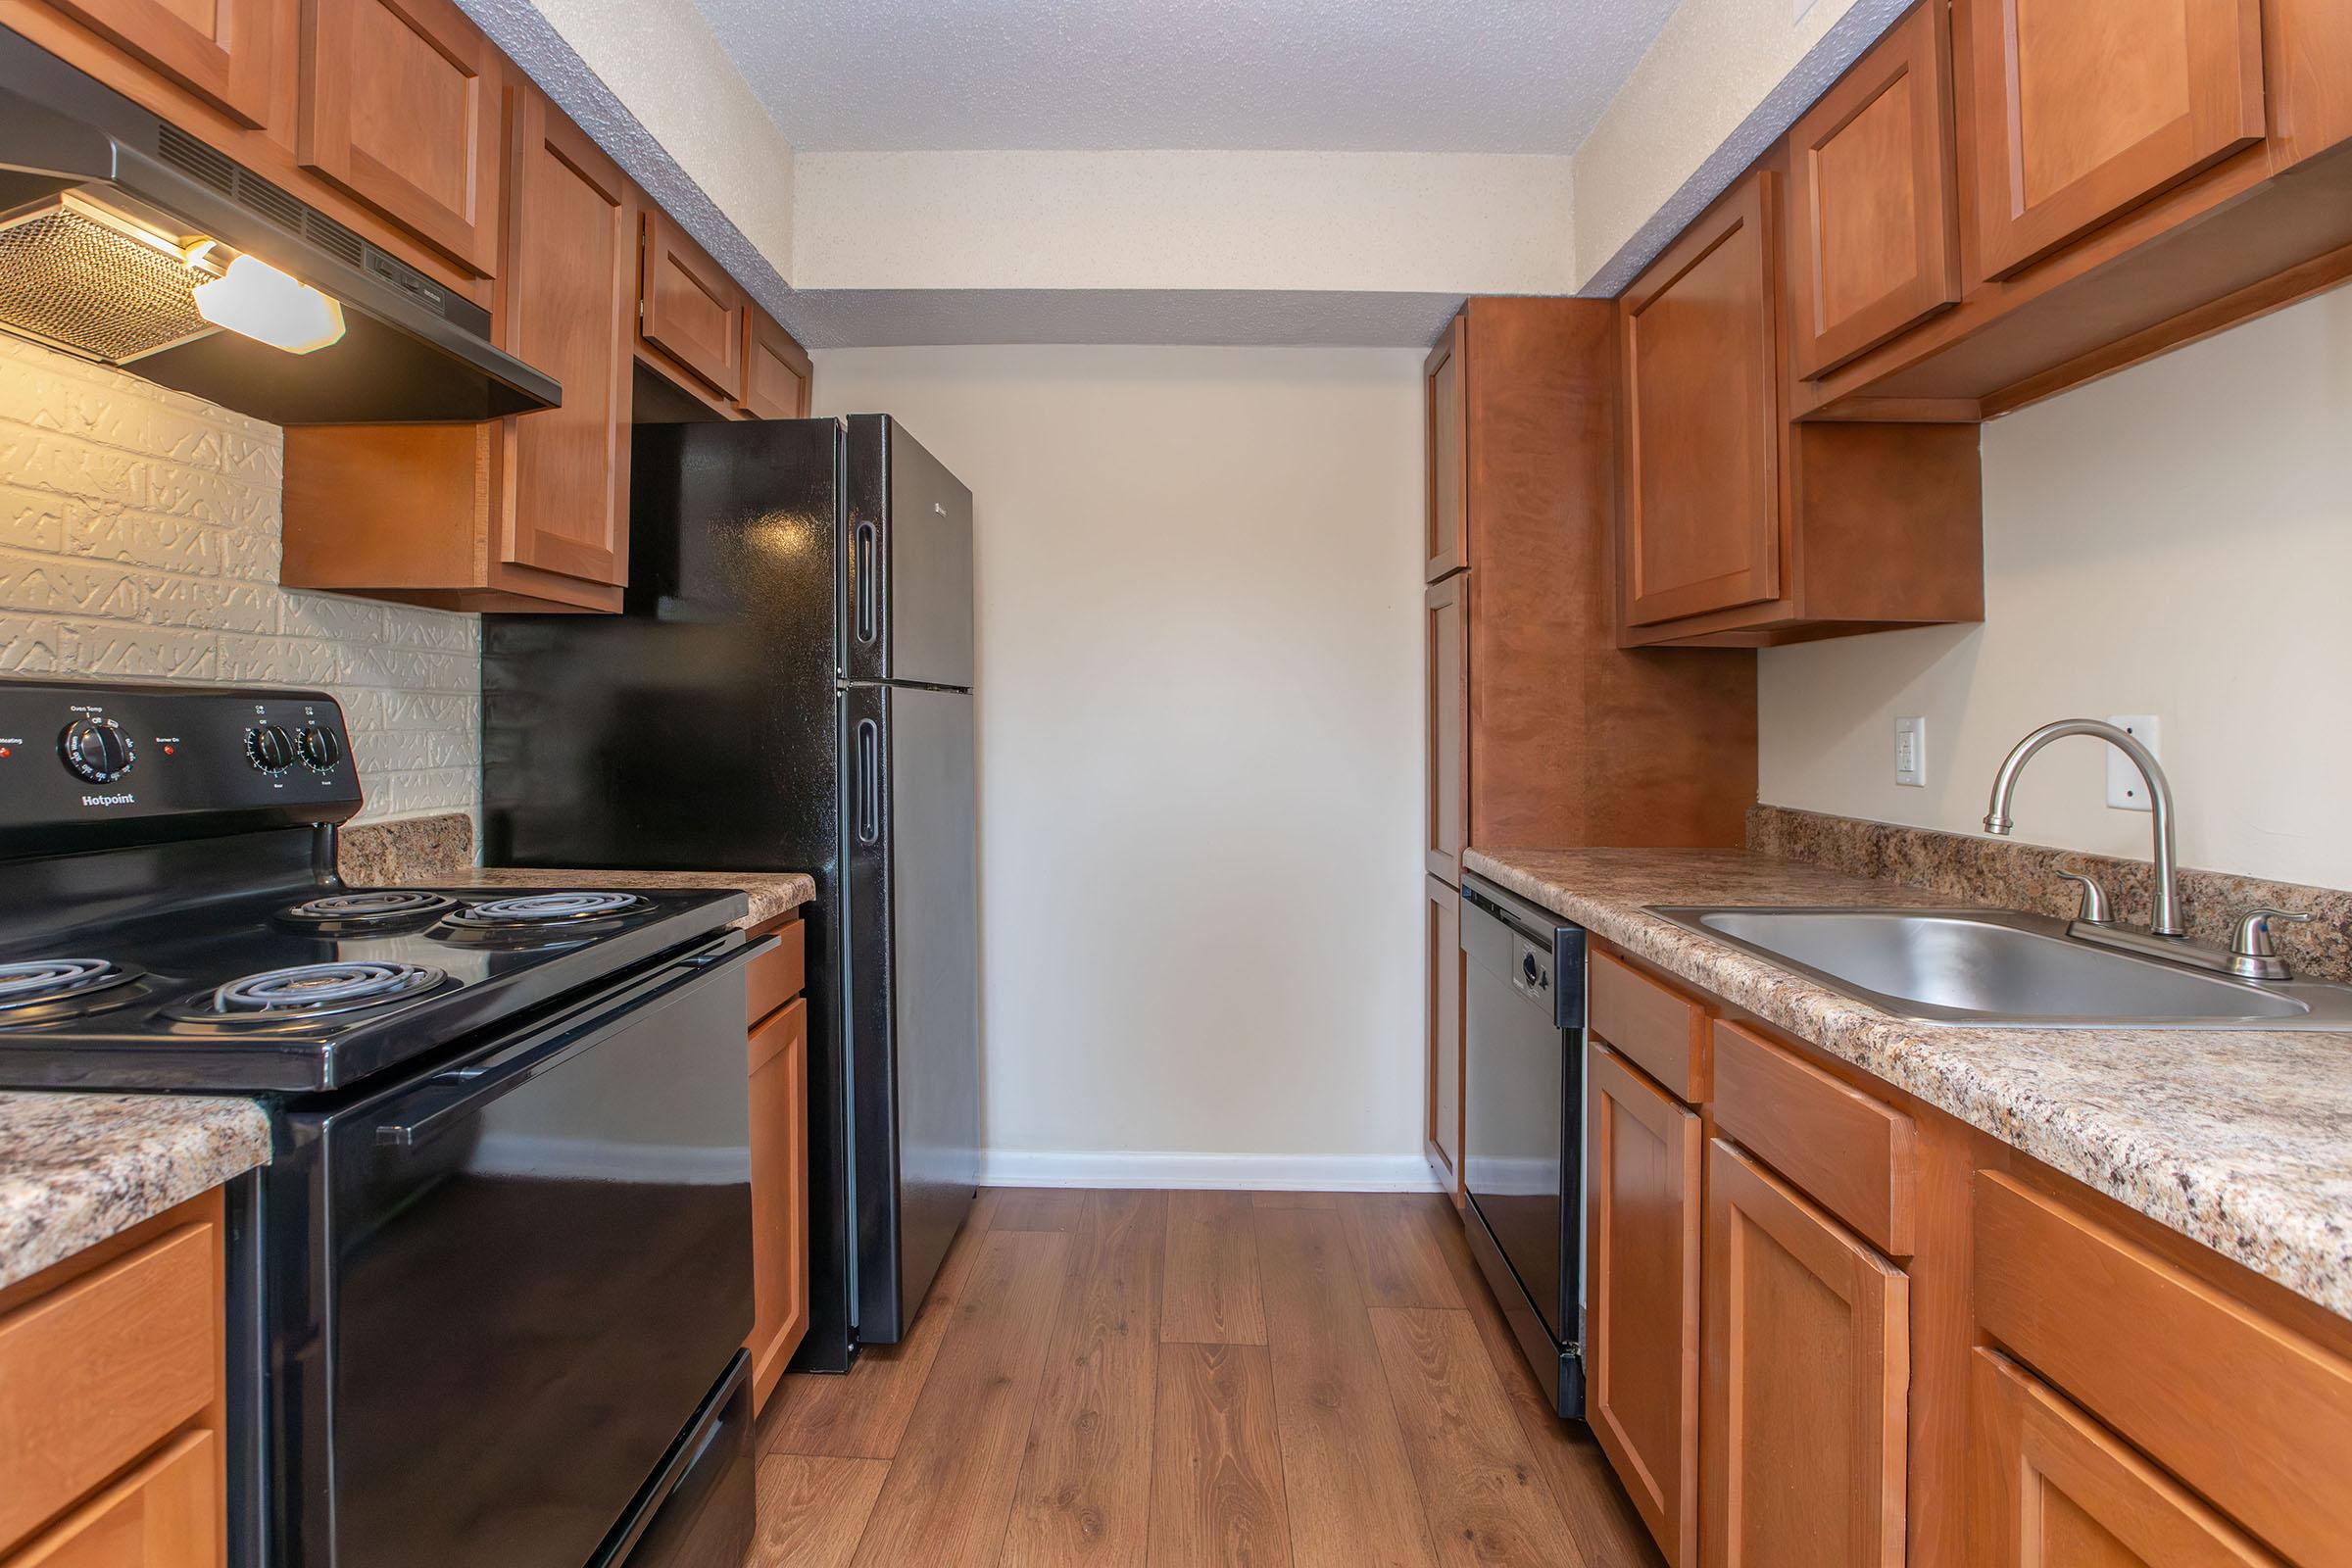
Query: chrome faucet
x,y
2165,919
2251,954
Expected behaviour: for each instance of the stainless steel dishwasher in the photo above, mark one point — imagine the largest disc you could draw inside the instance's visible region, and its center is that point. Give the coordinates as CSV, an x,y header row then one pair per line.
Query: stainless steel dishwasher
x,y
1523,1022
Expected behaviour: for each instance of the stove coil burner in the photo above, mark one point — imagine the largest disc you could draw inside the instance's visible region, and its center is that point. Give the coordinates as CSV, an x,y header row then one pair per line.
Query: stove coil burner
x,y
548,909
43,980
373,904
309,990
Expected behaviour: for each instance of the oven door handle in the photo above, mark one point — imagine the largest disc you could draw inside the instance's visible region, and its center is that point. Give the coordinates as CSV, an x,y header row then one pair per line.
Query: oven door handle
x,y
508,1069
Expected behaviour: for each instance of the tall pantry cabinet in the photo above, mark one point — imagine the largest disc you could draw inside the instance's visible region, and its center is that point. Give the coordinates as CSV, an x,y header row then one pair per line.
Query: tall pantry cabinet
x,y
1542,731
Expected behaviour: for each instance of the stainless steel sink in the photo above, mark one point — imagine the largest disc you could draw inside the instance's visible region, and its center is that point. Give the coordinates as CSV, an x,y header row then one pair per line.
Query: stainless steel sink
x,y
1994,969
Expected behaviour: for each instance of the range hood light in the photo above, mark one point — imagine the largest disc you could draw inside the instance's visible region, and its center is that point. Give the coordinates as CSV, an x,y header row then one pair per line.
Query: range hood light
x,y
271,307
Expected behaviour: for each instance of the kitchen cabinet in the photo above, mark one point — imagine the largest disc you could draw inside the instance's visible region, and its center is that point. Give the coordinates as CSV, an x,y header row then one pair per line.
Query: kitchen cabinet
x,y
1446,394
2051,1487
1874,207
1740,528
565,296
775,370
401,108
1643,1223
1803,1435
225,51
1442,1130
691,315
1919,1345
111,1403
1446,641
2082,111
778,1048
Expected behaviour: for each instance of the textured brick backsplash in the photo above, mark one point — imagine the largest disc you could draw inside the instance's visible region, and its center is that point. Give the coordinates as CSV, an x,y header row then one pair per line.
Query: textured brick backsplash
x,y
139,541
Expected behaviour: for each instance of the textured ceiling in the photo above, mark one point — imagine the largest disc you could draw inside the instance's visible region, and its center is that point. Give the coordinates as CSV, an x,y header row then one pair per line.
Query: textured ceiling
x,y
1341,75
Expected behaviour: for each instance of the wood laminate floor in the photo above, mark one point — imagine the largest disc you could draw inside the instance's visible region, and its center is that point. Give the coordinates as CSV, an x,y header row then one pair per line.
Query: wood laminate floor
x,y
1193,1380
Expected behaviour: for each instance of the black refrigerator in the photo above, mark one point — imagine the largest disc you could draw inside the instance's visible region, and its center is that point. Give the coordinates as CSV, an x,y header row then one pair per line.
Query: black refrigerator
x,y
790,688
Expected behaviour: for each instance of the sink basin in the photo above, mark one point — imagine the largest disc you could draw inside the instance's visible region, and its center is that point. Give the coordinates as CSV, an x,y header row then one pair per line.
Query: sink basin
x,y
2000,970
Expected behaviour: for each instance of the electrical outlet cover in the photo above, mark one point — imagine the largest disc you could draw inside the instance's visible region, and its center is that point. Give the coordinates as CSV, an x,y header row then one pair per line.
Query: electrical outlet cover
x,y
1911,751
2125,790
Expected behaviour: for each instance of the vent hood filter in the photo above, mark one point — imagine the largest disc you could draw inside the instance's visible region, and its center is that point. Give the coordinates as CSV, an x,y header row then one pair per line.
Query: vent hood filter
x,y
96,283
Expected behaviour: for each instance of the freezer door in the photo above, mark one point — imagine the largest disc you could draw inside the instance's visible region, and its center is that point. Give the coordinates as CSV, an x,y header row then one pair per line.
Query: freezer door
x,y
912,988
907,559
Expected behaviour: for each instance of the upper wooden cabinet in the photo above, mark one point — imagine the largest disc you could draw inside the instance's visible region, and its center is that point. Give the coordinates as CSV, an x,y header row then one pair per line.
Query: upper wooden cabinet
x,y
775,370
1445,389
2082,111
1874,210
1702,416
1740,528
690,314
226,51
565,297
1445,609
401,106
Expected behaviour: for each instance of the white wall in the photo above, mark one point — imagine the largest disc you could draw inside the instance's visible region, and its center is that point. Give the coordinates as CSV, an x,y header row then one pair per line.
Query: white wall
x,y
1199,602
2176,541
139,542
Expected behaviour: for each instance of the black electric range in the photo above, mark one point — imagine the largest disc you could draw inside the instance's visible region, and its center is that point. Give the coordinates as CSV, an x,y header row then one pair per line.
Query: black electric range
x,y
488,1298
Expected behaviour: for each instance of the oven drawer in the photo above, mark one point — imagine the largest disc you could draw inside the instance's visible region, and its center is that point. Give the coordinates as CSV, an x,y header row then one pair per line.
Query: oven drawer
x,y
149,1324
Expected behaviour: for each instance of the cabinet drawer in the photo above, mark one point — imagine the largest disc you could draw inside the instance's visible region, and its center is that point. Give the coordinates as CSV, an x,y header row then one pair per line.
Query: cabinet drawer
x,y
1851,1155
1659,1030
164,1514
97,1372
2250,1414
776,977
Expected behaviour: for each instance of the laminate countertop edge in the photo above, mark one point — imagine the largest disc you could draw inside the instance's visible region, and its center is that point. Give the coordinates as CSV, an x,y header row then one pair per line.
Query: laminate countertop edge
x,y
78,1167
2240,1141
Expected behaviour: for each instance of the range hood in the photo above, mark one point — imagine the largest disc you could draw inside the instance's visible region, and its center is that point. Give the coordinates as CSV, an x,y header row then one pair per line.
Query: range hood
x,y
111,221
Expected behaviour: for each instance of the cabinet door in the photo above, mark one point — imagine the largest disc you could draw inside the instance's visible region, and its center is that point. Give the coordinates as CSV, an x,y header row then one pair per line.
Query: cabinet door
x,y
779,1057
399,106
688,309
2080,111
1641,1235
566,295
2051,1489
164,1514
224,50
1808,1375
1702,416
1447,612
1445,374
775,370
1874,210
1441,1133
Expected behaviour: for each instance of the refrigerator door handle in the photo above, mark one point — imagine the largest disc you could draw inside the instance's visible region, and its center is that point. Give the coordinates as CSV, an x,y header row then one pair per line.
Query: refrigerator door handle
x,y
870,781
861,568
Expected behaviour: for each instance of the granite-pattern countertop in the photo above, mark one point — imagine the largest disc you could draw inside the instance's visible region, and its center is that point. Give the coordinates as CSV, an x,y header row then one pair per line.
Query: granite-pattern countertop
x,y
77,1168
2240,1141
772,893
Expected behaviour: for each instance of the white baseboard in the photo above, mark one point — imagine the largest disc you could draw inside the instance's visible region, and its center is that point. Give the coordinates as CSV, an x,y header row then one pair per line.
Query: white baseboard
x,y
1301,1173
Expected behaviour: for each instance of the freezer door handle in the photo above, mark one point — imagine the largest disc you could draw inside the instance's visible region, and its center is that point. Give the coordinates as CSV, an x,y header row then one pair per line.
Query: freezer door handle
x,y
870,781
861,568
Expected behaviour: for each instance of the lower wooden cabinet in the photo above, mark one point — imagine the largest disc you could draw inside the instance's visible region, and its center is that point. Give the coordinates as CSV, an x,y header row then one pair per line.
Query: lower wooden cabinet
x,y
1442,1130
2050,1488
1803,1437
779,1055
1643,1219
112,1375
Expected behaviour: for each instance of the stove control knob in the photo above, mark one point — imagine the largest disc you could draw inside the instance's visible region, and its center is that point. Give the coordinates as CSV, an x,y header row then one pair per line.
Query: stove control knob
x,y
320,750
97,750
271,748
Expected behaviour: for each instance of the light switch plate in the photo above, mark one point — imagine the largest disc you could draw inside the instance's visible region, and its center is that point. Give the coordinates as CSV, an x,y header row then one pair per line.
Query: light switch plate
x,y
1911,751
2125,790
